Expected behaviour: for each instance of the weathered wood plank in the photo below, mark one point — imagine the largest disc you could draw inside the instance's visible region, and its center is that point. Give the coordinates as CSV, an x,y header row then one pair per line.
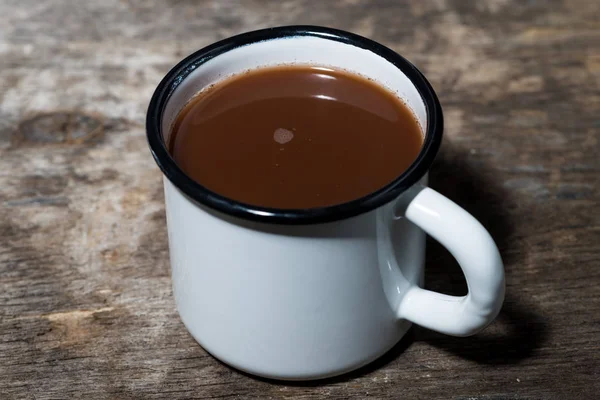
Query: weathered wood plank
x,y
86,309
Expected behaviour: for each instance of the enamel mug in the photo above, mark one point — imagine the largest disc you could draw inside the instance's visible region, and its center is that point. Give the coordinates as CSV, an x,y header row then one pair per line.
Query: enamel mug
x,y
311,293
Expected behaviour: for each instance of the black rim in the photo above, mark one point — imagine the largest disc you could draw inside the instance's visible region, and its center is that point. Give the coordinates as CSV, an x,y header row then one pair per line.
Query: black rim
x,y
202,195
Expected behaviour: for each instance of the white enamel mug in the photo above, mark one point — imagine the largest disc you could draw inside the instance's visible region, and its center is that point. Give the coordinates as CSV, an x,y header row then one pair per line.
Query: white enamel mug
x,y
313,293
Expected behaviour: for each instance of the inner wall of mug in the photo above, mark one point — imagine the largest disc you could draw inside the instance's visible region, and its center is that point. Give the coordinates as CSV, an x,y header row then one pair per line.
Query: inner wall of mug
x,y
303,50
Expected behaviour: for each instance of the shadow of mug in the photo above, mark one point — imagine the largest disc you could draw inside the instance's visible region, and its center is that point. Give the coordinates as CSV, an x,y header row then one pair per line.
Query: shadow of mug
x,y
518,329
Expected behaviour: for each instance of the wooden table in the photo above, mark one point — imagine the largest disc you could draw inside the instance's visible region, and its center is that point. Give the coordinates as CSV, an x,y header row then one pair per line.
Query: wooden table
x,y
86,309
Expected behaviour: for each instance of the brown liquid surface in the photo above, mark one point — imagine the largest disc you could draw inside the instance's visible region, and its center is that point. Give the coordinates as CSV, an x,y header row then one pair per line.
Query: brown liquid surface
x,y
295,137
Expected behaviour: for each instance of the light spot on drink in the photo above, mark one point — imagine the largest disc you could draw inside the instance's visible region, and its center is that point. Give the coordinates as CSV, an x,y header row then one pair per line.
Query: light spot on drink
x,y
282,136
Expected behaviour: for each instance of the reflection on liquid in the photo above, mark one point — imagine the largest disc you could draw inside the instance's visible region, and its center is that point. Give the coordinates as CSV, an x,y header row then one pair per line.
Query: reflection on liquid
x,y
324,76
324,97
323,69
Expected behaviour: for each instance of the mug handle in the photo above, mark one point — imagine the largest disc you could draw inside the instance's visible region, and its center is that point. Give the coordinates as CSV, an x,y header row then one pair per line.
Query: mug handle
x,y
474,249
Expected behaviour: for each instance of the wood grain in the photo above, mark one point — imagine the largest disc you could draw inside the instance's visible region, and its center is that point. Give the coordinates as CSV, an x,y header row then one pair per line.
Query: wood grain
x,y
86,309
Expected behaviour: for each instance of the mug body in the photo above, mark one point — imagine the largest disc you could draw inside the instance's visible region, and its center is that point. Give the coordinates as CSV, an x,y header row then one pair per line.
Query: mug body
x,y
291,301
292,294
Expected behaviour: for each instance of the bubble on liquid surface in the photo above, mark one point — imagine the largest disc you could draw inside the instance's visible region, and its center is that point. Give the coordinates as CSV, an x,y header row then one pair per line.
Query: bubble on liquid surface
x,y
282,136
